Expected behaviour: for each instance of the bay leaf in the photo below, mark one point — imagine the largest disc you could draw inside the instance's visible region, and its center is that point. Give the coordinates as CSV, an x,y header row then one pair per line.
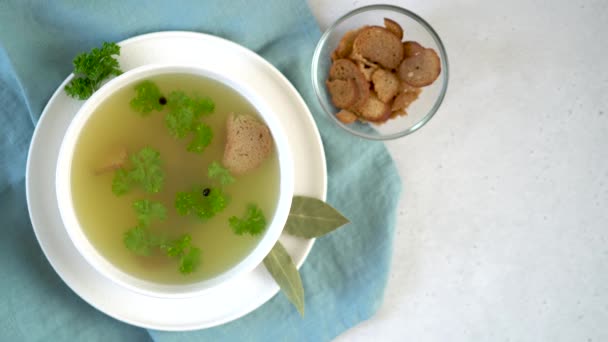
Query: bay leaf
x,y
285,273
310,217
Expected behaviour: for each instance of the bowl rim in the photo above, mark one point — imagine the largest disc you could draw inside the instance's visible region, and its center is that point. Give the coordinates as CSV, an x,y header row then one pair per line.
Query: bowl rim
x,y
444,65
103,265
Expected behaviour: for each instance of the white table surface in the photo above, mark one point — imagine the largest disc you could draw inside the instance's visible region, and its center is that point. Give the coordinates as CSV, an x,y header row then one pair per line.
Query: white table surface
x,y
503,223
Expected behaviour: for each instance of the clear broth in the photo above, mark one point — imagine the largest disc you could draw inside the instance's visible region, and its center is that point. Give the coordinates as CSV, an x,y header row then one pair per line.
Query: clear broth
x,y
105,217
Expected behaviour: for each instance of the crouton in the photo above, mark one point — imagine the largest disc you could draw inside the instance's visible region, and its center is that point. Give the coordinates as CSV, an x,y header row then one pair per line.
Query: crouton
x,y
366,70
411,48
403,100
373,109
346,116
386,84
248,143
345,46
344,69
397,113
379,45
393,27
421,69
343,92
405,88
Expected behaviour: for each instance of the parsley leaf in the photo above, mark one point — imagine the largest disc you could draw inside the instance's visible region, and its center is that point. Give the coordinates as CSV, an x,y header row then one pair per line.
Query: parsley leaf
x,y
185,202
146,171
90,69
189,262
121,183
147,211
217,171
185,112
81,88
142,242
202,138
177,247
138,240
213,203
253,222
147,98
182,248
203,206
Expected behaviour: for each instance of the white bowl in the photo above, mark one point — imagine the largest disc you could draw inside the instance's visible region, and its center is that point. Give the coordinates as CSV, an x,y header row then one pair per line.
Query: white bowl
x,y
106,268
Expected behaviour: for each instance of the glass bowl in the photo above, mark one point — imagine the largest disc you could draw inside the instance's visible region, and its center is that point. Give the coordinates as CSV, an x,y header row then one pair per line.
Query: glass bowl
x,y
414,28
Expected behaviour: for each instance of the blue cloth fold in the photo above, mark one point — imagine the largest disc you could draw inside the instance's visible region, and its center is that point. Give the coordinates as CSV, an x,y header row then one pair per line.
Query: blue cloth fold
x,y
346,272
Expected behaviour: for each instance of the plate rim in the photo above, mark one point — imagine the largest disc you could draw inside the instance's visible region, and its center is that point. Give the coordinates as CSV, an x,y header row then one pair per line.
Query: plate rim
x,y
36,136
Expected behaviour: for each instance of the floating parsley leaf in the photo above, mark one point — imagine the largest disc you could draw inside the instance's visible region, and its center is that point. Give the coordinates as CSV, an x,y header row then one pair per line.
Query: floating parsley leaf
x,y
253,222
182,248
138,241
147,98
178,246
203,206
185,202
142,242
217,171
185,112
90,69
180,118
147,211
121,183
202,138
212,204
146,171
189,262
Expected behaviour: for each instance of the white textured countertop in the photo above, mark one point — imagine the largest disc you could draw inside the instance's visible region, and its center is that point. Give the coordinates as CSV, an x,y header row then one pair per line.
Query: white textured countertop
x,y
503,223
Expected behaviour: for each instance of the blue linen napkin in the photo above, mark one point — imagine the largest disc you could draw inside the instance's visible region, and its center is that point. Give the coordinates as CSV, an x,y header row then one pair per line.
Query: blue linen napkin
x,y
346,272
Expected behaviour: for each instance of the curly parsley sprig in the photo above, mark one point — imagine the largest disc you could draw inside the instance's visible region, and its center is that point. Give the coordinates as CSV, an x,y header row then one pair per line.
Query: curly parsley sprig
x,y
92,68
146,171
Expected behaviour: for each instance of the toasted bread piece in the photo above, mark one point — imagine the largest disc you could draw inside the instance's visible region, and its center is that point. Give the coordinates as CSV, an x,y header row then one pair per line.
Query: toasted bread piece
x,y
396,113
402,112
362,89
403,100
346,116
411,48
248,143
345,46
366,70
421,69
334,55
386,84
344,69
379,45
362,60
343,92
393,27
116,159
374,110
406,88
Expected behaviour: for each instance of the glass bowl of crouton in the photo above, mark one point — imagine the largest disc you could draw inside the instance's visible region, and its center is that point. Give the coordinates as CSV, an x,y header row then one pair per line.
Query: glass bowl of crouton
x,y
380,72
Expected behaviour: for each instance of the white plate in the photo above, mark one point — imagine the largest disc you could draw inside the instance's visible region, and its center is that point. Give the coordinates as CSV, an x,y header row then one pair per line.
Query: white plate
x,y
225,302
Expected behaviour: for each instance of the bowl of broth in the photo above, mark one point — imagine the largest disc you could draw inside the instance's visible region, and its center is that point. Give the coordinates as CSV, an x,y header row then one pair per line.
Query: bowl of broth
x,y
172,180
